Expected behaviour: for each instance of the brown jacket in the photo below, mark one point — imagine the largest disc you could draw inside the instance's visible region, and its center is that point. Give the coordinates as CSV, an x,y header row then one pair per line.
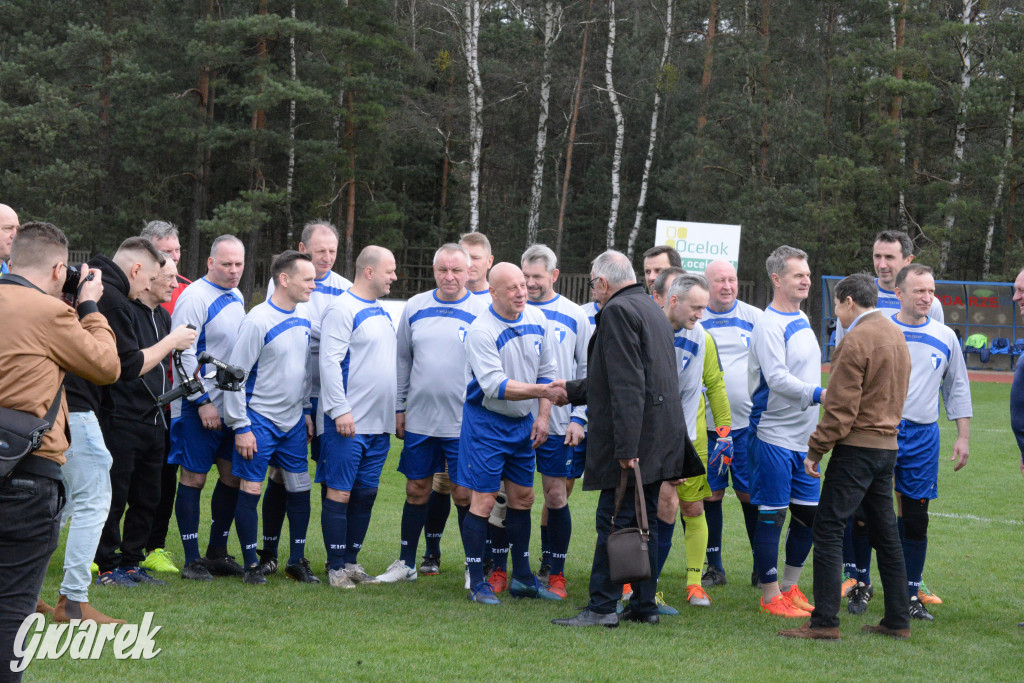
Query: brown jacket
x,y
866,390
42,338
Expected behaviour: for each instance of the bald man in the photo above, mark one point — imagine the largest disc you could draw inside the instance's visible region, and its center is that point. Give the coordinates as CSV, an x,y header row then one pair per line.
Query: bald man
x,y
356,413
8,228
510,362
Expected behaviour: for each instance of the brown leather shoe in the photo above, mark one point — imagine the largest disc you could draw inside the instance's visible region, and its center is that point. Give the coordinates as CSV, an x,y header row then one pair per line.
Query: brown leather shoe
x,y
67,610
806,631
43,608
882,629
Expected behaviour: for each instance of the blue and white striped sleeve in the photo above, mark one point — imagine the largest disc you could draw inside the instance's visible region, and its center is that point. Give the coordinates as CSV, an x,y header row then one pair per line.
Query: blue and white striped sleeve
x,y
244,354
404,360
770,348
956,386
335,334
579,413
485,362
191,310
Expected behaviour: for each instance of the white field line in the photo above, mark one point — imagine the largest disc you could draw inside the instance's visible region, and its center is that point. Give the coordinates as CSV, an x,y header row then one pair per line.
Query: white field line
x,y
975,518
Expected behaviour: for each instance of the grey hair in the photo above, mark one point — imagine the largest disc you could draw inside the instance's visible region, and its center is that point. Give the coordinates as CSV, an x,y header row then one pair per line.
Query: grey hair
x,y
614,267
451,247
682,285
221,240
158,230
664,276
540,252
776,261
311,227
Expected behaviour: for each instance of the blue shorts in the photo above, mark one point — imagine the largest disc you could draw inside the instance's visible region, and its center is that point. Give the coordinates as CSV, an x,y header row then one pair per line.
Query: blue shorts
x,y
917,461
493,447
351,462
196,448
778,476
425,456
554,458
274,448
579,459
739,470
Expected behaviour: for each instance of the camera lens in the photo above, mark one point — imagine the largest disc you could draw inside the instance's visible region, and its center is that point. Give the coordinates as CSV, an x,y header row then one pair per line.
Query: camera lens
x,y
74,276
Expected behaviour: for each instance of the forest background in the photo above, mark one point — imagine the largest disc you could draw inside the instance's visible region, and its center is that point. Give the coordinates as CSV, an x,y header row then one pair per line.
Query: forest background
x,y
407,122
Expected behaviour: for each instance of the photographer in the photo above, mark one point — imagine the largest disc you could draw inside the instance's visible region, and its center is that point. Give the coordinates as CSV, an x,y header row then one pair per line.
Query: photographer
x,y
134,429
44,338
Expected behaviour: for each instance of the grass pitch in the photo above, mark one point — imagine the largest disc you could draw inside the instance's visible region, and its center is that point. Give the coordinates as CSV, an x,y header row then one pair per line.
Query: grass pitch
x,y
428,630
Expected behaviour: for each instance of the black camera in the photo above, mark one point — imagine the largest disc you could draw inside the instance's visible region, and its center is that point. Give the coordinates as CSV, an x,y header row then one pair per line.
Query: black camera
x,y
227,377
73,281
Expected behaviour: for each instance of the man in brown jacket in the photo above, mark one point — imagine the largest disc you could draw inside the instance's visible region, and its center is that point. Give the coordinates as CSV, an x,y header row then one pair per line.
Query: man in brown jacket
x,y
43,338
863,407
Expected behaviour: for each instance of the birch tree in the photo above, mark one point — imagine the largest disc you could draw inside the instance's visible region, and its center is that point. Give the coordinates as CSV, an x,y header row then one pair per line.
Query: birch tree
x,y
1000,183
290,182
652,139
552,29
620,128
475,90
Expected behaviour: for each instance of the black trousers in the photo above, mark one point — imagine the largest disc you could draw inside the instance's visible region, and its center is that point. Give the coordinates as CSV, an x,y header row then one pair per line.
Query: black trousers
x,y
137,450
30,507
858,477
168,489
603,593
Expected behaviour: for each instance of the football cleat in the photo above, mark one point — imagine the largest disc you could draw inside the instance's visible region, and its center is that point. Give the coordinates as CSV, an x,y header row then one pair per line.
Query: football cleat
x,y
94,568
498,581
627,591
467,586
847,585
780,606
196,571
268,563
301,572
697,596
224,566
253,576
799,600
431,565
522,589
919,611
115,577
159,560
927,597
713,577
398,571
337,578
664,608
544,572
140,575
556,584
483,593
859,597
358,574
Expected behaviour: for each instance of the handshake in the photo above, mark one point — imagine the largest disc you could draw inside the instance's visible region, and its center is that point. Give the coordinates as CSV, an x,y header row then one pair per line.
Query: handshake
x,y
555,392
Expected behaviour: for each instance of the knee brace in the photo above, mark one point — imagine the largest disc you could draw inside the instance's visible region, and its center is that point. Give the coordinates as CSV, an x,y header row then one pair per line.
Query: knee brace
x,y
296,482
803,514
497,516
442,484
915,519
776,517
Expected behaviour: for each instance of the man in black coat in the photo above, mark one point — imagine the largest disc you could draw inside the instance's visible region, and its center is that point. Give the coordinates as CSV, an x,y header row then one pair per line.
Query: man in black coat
x,y
635,415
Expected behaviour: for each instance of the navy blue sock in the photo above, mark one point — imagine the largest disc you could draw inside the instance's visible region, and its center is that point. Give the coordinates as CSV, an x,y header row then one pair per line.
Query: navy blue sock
x,y
222,511
360,506
499,545
849,555
186,510
517,528
713,515
274,505
334,524
413,518
545,542
247,525
560,531
766,547
439,506
900,529
750,520
474,539
461,511
298,524
862,553
665,531
798,543
913,554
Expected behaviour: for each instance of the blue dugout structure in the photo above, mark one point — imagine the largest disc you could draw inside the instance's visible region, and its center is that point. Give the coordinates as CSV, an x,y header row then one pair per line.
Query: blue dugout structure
x,y
969,307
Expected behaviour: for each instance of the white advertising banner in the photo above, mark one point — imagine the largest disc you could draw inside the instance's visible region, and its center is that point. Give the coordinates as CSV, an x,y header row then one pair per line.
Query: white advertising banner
x,y
699,244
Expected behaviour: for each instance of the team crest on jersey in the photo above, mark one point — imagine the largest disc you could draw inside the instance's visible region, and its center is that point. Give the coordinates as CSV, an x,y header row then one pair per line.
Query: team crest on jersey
x,y
462,335
936,361
536,345
746,340
560,333
686,362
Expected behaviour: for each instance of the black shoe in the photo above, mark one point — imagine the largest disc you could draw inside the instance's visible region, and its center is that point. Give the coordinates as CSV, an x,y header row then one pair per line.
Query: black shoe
x,y
196,571
431,565
859,597
588,618
629,615
224,566
300,572
268,563
544,572
253,576
919,611
713,577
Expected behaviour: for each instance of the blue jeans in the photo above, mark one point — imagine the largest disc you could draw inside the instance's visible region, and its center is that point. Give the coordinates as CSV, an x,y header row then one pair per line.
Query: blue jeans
x,y
87,480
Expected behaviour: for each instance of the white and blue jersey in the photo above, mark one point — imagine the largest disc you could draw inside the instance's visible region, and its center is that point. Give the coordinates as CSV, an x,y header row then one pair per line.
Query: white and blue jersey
x,y
483,295
591,308
568,333
328,288
689,345
357,365
889,304
731,331
432,362
936,365
4,268
217,314
273,349
784,379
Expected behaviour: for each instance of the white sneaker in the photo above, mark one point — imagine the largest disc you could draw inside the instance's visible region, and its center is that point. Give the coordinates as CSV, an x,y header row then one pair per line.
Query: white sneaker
x,y
398,571
337,578
467,578
357,574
